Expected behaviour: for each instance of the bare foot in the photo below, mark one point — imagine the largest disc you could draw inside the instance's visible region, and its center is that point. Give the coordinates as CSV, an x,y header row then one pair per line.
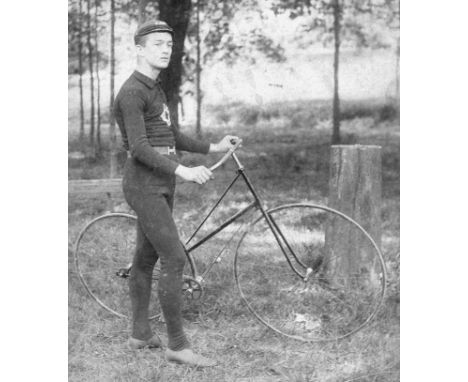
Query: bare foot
x,y
153,342
188,357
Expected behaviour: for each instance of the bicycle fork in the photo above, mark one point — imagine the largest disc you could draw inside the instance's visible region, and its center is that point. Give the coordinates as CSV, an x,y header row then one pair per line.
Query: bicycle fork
x,y
279,237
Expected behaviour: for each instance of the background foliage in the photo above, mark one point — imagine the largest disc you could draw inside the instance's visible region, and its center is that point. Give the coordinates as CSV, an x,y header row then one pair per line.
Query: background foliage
x,y
251,51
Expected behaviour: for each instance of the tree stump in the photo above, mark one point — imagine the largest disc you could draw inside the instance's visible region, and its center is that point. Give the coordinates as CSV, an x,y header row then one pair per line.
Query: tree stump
x,y
355,189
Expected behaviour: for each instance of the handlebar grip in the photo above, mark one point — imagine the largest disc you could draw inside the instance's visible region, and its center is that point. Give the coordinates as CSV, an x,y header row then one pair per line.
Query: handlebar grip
x,y
227,155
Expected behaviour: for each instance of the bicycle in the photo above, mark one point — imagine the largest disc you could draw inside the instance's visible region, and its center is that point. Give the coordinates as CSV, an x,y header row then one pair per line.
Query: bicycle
x,y
288,271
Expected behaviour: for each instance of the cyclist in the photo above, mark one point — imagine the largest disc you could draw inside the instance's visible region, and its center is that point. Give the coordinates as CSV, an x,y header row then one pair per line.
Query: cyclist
x,y
151,139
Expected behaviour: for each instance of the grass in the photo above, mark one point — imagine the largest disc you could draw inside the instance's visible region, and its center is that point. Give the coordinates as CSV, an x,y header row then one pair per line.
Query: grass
x,y
277,154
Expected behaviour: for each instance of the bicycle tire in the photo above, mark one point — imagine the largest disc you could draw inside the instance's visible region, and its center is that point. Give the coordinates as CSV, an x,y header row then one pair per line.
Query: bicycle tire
x,y
333,303
104,248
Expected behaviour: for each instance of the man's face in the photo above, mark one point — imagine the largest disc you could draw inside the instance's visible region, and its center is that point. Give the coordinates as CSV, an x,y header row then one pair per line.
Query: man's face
x,y
156,50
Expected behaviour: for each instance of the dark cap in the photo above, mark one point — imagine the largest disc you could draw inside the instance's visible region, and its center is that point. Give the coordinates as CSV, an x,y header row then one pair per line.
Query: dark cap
x,y
152,27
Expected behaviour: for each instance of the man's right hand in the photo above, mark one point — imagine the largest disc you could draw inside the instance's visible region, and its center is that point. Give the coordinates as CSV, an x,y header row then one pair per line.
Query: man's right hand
x,y
198,174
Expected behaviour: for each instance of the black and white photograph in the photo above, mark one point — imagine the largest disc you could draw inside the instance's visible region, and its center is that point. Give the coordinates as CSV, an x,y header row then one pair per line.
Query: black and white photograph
x,y
234,190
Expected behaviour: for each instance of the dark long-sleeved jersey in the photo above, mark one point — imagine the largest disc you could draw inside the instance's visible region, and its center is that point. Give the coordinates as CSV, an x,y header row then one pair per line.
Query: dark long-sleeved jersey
x,y
141,112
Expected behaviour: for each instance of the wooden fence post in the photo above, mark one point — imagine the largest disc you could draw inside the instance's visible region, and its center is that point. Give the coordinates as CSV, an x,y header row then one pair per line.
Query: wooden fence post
x,y
355,188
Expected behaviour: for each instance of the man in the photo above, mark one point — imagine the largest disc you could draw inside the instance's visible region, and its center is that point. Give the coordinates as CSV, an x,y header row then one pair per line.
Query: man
x,y
143,117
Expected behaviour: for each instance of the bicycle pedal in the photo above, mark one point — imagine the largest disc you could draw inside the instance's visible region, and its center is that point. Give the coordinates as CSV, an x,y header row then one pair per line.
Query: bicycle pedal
x,y
123,272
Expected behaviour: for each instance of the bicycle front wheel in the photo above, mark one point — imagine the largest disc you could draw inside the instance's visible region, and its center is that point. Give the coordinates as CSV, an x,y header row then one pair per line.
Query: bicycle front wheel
x,y
299,283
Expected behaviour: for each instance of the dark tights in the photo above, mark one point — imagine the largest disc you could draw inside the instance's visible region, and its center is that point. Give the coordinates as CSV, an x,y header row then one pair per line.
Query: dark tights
x,y
157,238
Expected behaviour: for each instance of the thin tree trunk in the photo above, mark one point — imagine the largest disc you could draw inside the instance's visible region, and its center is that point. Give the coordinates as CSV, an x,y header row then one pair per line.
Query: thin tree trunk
x,y
113,159
177,15
98,80
91,77
198,70
336,96
80,67
397,75
397,85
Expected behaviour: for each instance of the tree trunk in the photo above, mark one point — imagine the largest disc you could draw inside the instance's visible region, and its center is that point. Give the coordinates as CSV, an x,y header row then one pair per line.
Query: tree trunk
x,y
141,11
198,70
355,189
397,76
113,140
91,76
177,15
98,150
336,97
80,68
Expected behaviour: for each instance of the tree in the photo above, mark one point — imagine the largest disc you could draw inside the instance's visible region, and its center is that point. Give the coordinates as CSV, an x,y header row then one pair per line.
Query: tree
x,y
80,66
141,11
198,70
91,76
211,37
337,10
113,138
219,36
98,150
370,20
177,14
391,15
338,21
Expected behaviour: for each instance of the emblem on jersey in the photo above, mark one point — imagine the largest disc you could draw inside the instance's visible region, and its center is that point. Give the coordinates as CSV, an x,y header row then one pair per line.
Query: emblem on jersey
x,y
165,115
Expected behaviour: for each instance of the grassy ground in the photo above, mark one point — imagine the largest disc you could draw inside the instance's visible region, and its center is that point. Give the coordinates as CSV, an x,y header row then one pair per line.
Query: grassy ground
x,y
278,153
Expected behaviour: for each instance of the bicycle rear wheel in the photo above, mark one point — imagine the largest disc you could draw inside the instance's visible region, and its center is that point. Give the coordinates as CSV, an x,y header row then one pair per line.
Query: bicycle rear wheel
x,y
315,293
103,255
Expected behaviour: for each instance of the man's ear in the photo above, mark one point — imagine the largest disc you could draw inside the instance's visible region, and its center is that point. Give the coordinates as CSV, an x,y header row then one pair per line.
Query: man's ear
x,y
139,48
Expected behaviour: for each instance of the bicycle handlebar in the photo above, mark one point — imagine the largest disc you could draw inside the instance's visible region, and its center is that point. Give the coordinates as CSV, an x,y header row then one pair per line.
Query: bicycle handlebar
x,y
226,156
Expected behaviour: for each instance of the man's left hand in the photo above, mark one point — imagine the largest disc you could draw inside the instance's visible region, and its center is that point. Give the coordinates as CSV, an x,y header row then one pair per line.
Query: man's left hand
x,y
225,144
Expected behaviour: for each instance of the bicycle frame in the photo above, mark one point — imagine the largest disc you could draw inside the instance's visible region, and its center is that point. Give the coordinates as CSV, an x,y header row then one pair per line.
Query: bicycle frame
x,y
258,274
257,204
